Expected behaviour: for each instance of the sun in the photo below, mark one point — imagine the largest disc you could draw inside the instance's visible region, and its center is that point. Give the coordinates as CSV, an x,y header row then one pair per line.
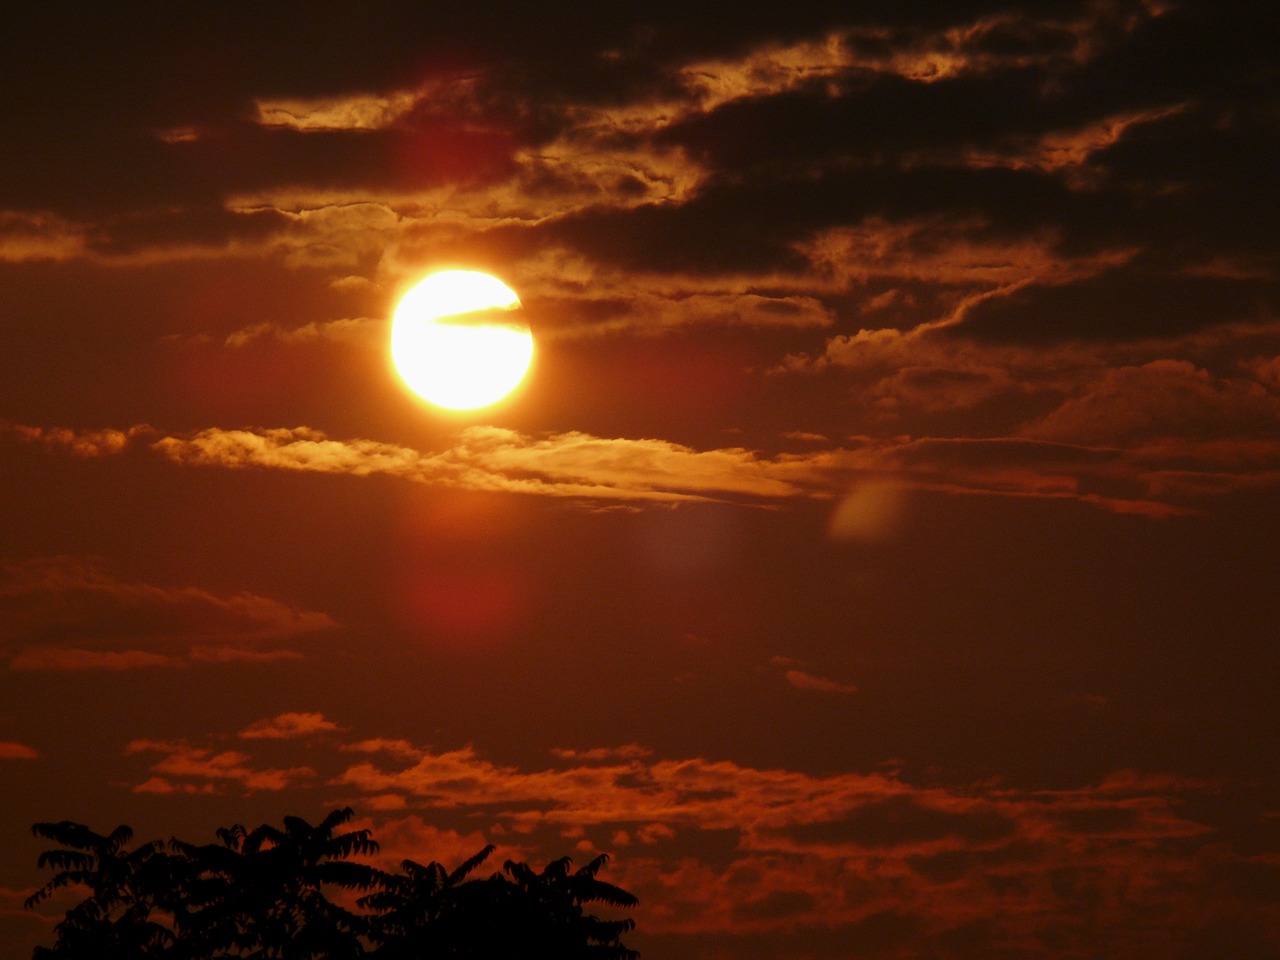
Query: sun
x,y
457,340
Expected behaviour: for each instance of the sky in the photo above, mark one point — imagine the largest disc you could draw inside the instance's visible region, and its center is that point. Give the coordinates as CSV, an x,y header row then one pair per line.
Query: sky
x,y
879,560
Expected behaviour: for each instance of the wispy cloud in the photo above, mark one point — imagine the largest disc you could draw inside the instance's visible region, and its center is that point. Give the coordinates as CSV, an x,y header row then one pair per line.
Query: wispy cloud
x,y
817,838
325,114
491,458
806,851
288,726
1130,478
802,679
183,768
26,237
358,330
69,613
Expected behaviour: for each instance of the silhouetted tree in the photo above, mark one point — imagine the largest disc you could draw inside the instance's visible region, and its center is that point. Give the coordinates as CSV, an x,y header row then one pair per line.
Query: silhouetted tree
x,y
261,894
116,921
549,909
422,912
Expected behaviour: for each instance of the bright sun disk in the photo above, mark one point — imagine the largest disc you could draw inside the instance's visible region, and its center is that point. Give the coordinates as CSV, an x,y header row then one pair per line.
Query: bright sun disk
x,y
457,342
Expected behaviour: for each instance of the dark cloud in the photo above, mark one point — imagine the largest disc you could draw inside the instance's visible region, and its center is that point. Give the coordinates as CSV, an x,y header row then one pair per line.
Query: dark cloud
x,y
1122,304
67,613
902,820
948,866
778,905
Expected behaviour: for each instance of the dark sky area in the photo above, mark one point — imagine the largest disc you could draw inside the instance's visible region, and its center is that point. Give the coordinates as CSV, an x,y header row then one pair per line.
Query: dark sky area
x,y
880,559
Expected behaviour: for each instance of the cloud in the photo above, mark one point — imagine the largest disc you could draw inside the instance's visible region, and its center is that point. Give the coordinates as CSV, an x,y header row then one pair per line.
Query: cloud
x,y
726,848
81,443
288,726
359,330
799,678
1161,398
401,748
491,458
351,112
621,788
71,659
10,750
941,250
69,613
630,751
812,851
183,768
1067,150
1122,302
1117,411
27,237
807,681
410,837
598,470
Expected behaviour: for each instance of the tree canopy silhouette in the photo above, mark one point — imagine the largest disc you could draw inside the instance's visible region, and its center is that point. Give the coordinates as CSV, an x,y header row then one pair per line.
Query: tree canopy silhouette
x,y
295,893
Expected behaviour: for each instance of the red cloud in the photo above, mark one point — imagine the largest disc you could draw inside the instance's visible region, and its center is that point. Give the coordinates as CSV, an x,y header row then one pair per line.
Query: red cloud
x,y
287,726
73,614
184,768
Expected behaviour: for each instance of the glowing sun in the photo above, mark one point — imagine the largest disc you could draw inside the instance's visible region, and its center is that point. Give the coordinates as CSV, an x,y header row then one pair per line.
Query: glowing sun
x,y
457,342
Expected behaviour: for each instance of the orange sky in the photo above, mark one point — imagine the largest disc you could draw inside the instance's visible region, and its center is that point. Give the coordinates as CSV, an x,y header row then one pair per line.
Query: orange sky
x,y
879,560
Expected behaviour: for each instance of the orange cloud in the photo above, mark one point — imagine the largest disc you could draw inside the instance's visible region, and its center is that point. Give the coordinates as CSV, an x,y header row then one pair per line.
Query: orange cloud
x,y
630,751
1097,446
326,114
763,72
163,787
491,458
412,838
287,726
1069,149
946,251
401,748
808,852
184,768
81,443
1003,41
816,851
799,678
359,330
26,237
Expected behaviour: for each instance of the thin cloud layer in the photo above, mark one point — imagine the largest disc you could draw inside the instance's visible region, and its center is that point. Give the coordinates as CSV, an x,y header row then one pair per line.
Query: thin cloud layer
x,y
288,726
1101,466
184,769
801,679
67,613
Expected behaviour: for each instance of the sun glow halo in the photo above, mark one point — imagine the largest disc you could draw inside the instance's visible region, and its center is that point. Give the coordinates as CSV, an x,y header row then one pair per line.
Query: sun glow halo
x,y
456,341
